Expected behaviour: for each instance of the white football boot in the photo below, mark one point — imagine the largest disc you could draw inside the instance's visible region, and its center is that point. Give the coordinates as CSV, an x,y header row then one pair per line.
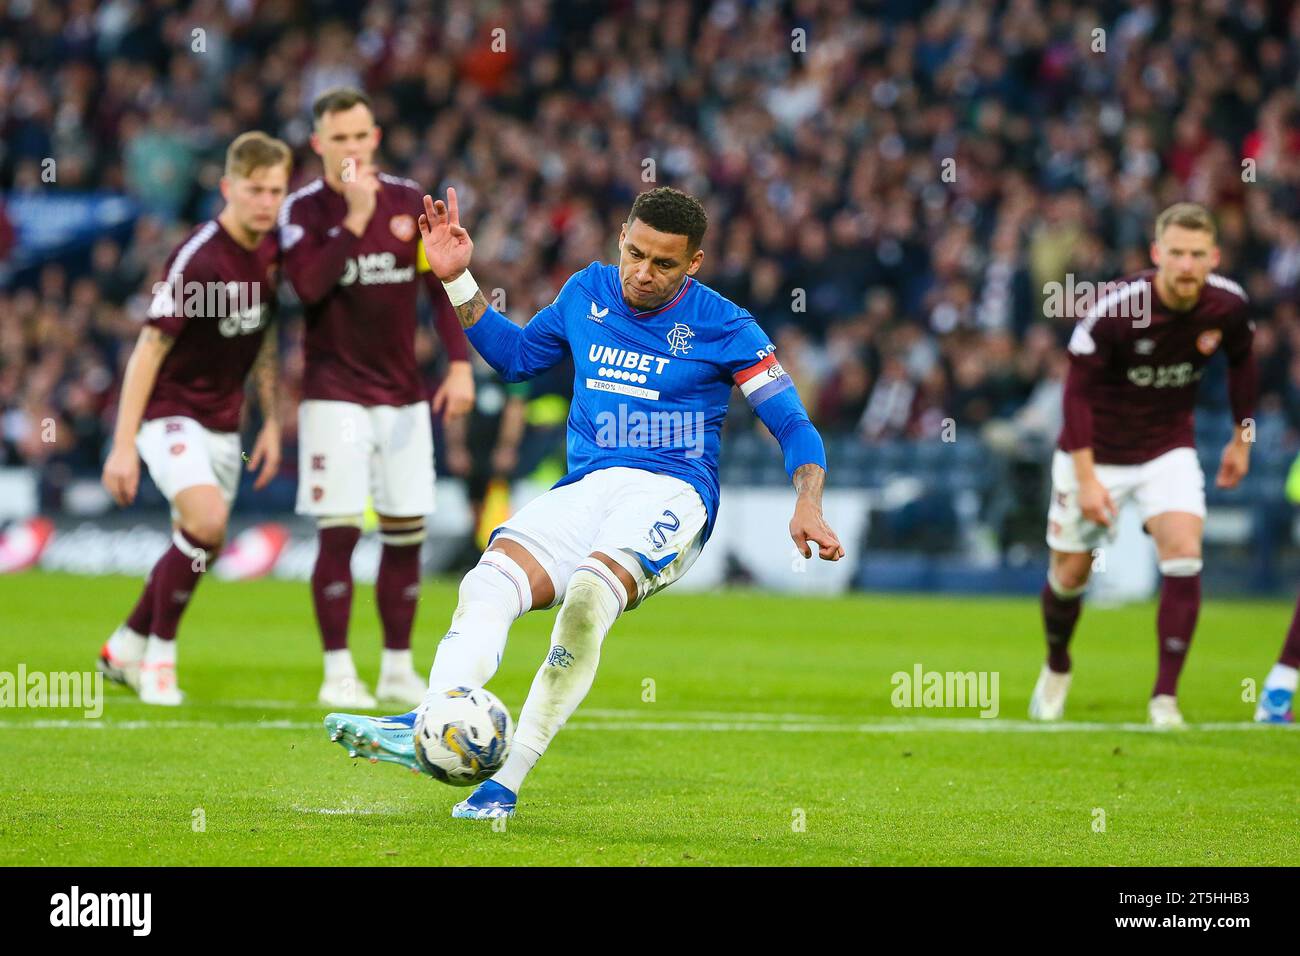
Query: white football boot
x,y
1047,702
120,657
1163,712
346,693
158,684
403,687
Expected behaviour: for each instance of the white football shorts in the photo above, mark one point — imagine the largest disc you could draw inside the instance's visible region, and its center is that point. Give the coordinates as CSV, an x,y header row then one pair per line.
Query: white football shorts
x,y
1169,482
346,451
180,453
652,525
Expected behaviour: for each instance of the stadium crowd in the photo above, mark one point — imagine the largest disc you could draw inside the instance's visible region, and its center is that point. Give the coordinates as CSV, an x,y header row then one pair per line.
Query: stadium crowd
x,y
891,186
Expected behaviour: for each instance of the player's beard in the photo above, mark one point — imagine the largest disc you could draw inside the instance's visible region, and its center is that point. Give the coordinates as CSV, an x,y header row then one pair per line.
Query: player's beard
x,y
1182,293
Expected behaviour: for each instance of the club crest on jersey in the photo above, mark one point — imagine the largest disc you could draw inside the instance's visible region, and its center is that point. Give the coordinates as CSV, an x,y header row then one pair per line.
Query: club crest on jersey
x,y
679,337
403,227
1208,341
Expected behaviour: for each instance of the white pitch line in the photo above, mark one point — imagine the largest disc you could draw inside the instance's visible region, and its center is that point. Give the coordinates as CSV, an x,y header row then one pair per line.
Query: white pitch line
x,y
886,726
618,713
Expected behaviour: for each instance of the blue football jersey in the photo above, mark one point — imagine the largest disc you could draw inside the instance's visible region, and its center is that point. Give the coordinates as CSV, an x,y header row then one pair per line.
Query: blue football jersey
x,y
651,388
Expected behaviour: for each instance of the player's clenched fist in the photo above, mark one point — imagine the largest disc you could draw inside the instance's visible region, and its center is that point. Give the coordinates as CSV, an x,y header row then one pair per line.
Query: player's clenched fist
x,y
447,245
122,475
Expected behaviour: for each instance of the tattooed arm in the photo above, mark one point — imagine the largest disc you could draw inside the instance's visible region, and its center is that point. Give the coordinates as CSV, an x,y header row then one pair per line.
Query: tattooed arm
x,y
266,378
122,468
808,524
470,312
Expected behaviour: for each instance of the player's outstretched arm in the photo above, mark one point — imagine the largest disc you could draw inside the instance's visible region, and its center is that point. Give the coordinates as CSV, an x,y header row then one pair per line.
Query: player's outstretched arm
x,y
121,475
771,394
808,523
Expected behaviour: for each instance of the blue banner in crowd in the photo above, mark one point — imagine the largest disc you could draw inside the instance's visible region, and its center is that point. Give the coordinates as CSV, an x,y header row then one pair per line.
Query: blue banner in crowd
x,y
47,223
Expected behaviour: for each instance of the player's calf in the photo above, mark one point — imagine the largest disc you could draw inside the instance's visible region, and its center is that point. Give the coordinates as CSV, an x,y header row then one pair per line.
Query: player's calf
x,y
1180,605
331,591
493,595
196,541
1061,601
397,593
593,600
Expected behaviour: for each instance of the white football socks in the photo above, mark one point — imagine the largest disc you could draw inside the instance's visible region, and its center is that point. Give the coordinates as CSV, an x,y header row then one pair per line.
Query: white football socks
x,y
157,651
493,595
394,663
127,645
338,665
519,761
1282,676
593,601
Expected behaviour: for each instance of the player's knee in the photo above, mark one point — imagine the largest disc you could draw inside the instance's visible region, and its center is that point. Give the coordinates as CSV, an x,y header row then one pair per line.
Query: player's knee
x,y
1068,574
497,581
540,585
402,531
593,600
207,528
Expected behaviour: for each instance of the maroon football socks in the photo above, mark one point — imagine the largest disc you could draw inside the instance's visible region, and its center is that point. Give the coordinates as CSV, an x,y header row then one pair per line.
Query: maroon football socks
x,y
331,584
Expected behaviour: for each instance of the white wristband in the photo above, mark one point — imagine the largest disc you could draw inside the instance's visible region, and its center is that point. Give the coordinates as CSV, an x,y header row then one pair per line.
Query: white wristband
x,y
461,289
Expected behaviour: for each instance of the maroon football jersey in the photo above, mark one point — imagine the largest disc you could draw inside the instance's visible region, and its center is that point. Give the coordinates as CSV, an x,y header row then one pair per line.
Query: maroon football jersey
x,y
216,299
359,294
1135,366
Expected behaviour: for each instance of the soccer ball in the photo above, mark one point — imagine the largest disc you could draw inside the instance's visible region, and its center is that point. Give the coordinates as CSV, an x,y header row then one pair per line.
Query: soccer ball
x,y
463,736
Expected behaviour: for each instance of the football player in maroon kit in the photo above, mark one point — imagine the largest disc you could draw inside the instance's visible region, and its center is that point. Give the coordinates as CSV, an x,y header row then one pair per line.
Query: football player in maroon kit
x,y
1135,360
352,253
205,331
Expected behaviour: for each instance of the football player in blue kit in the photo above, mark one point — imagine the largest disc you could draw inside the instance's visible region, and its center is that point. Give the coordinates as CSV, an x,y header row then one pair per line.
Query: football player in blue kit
x,y
656,354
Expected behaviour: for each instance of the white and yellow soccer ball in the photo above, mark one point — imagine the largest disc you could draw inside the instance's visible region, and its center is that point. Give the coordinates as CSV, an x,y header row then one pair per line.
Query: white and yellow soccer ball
x,y
462,736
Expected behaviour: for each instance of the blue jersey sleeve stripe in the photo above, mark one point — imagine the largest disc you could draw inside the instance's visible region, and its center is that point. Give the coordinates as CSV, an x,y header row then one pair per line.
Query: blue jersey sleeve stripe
x,y
775,387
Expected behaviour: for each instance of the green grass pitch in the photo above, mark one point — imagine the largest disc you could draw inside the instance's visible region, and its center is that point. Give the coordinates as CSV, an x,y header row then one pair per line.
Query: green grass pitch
x,y
770,739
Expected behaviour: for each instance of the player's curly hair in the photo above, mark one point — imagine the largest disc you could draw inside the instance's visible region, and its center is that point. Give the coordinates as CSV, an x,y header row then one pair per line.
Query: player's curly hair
x,y
671,210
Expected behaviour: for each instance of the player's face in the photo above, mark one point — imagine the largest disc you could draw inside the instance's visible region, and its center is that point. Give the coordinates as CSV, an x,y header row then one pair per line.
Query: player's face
x,y
652,264
256,198
349,136
1184,258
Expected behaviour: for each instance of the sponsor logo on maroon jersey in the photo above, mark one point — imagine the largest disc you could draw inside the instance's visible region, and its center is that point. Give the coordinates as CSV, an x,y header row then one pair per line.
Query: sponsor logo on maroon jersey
x,y
1208,341
403,227
178,448
1164,376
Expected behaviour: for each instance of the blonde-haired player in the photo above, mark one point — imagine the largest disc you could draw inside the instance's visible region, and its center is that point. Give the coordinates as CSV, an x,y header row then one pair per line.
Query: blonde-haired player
x,y
182,400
